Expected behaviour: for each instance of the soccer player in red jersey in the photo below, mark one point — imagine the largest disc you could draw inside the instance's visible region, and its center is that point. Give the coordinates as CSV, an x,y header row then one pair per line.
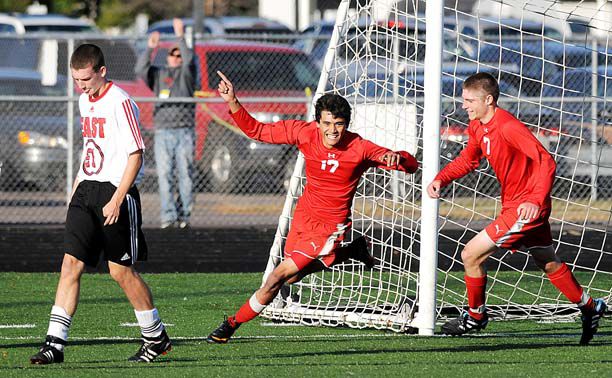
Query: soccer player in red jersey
x,y
525,171
335,160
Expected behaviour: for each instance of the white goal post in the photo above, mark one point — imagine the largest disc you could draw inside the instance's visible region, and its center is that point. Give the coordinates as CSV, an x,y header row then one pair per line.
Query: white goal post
x,y
400,65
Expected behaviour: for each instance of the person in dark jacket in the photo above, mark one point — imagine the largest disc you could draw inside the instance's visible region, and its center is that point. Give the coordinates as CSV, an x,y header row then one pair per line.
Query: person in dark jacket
x,y
174,125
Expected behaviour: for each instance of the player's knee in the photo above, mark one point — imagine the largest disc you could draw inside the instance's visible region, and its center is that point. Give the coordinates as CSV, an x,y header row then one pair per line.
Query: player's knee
x,y
293,280
469,258
549,267
120,274
274,282
72,267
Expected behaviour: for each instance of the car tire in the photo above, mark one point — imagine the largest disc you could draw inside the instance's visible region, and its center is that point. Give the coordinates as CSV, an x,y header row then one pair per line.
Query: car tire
x,y
219,160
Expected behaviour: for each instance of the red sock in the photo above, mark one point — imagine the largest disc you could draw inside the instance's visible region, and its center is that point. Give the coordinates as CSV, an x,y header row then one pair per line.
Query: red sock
x,y
476,290
249,310
564,280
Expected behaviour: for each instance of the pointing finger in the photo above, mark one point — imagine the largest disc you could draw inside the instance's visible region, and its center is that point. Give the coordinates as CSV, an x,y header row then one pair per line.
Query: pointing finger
x,y
223,77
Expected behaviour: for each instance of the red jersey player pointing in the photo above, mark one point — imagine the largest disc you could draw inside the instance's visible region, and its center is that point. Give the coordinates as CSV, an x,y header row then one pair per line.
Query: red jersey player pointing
x,y
335,160
525,171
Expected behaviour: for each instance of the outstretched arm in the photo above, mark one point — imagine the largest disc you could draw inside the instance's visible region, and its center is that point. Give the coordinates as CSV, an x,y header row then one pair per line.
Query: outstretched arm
x,y
281,132
467,161
384,158
398,161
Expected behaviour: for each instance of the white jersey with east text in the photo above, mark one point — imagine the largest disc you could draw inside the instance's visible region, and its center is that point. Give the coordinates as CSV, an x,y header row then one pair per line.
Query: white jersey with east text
x,y
111,132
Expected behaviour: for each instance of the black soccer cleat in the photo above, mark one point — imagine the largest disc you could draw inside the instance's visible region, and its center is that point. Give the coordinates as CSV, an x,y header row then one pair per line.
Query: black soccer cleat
x,y
590,321
48,354
360,251
222,334
464,324
152,348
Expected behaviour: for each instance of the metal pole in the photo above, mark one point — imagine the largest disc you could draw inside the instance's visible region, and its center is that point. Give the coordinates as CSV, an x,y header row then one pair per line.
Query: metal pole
x,y
69,125
426,317
395,183
198,18
594,117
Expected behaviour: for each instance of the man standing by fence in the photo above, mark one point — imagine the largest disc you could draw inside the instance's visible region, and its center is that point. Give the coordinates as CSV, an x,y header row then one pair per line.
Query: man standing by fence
x,y
174,125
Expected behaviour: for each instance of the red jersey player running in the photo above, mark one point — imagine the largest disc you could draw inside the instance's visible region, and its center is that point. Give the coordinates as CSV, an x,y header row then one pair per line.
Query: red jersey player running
x,y
335,160
525,171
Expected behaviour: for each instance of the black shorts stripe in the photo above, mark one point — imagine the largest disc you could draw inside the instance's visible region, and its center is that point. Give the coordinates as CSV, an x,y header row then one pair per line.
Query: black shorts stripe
x,y
133,214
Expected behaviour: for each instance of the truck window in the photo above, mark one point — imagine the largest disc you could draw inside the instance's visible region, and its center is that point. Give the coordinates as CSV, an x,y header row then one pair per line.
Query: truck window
x,y
263,70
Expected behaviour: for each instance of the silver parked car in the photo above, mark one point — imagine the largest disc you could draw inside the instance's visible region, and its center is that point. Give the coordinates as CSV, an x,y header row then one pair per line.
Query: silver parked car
x,y
33,147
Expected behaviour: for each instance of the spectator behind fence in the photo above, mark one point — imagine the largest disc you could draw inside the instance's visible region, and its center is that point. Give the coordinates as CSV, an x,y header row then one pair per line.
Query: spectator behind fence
x,y
174,125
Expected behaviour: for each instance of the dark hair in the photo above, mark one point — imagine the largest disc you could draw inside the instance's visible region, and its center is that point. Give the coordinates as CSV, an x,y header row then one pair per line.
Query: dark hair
x,y
335,104
484,81
87,55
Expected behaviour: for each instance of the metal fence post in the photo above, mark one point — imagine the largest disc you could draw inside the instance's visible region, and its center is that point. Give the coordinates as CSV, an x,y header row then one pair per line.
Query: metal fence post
x,y
69,124
594,117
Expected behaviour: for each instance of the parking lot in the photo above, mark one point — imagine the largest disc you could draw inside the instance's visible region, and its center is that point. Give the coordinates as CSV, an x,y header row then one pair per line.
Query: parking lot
x,y
239,182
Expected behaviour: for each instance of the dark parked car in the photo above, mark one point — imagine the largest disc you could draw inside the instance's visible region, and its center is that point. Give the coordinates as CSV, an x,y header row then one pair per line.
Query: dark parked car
x,y
220,26
34,145
579,136
536,62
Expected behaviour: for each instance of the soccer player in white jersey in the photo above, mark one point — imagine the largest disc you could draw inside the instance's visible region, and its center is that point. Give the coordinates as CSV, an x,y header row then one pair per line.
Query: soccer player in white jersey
x,y
104,216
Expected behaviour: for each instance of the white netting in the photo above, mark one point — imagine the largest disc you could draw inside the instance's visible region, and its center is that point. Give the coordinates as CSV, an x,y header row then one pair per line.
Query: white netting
x,y
553,75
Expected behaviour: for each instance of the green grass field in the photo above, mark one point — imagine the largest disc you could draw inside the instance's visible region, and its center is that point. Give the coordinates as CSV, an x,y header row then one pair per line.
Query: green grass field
x,y
103,336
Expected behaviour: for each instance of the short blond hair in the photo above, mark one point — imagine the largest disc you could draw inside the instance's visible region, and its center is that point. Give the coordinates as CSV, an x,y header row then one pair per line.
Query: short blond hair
x,y
484,81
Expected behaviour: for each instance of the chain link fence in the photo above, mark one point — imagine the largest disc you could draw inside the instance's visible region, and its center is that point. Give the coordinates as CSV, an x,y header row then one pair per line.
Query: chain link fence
x,y
240,182
237,181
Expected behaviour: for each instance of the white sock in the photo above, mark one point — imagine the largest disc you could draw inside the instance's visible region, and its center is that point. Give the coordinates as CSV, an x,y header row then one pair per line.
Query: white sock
x,y
150,324
584,299
255,305
59,325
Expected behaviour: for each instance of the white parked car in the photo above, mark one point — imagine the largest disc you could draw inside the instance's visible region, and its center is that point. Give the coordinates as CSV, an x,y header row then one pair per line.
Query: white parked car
x,y
48,23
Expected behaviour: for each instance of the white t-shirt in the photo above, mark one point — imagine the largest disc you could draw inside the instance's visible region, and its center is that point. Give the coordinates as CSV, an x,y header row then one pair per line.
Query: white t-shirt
x,y
111,132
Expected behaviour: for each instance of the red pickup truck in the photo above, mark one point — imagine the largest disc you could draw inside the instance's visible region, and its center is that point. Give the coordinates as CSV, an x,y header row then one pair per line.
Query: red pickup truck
x,y
227,159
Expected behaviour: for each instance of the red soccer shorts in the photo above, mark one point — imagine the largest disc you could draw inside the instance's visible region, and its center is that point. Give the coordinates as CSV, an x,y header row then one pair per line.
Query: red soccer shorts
x,y
310,239
508,232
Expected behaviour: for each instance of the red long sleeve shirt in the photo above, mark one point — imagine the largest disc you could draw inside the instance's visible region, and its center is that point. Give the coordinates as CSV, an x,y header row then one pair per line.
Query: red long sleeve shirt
x,y
524,168
332,174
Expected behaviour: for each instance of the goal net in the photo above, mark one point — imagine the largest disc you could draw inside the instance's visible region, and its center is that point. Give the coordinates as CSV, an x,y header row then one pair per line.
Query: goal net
x,y
552,60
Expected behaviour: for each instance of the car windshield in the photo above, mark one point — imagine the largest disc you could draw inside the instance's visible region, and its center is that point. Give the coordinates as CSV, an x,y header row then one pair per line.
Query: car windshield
x,y
263,70
494,31
17,87
60,28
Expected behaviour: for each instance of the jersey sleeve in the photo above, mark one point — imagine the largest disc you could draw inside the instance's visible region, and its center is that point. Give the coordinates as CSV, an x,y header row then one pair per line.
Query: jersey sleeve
x,y
519,137
127,115
467,161
373,153
281,132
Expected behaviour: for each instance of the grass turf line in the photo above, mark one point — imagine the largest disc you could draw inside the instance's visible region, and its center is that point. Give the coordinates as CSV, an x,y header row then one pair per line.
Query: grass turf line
x,y
196,303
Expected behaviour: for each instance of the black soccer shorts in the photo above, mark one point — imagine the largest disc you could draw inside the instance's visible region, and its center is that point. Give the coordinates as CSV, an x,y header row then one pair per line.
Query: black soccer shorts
x,y
86,237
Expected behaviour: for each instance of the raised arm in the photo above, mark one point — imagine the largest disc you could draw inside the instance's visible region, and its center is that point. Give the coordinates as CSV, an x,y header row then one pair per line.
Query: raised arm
x,y
186,52
281,132
143,68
